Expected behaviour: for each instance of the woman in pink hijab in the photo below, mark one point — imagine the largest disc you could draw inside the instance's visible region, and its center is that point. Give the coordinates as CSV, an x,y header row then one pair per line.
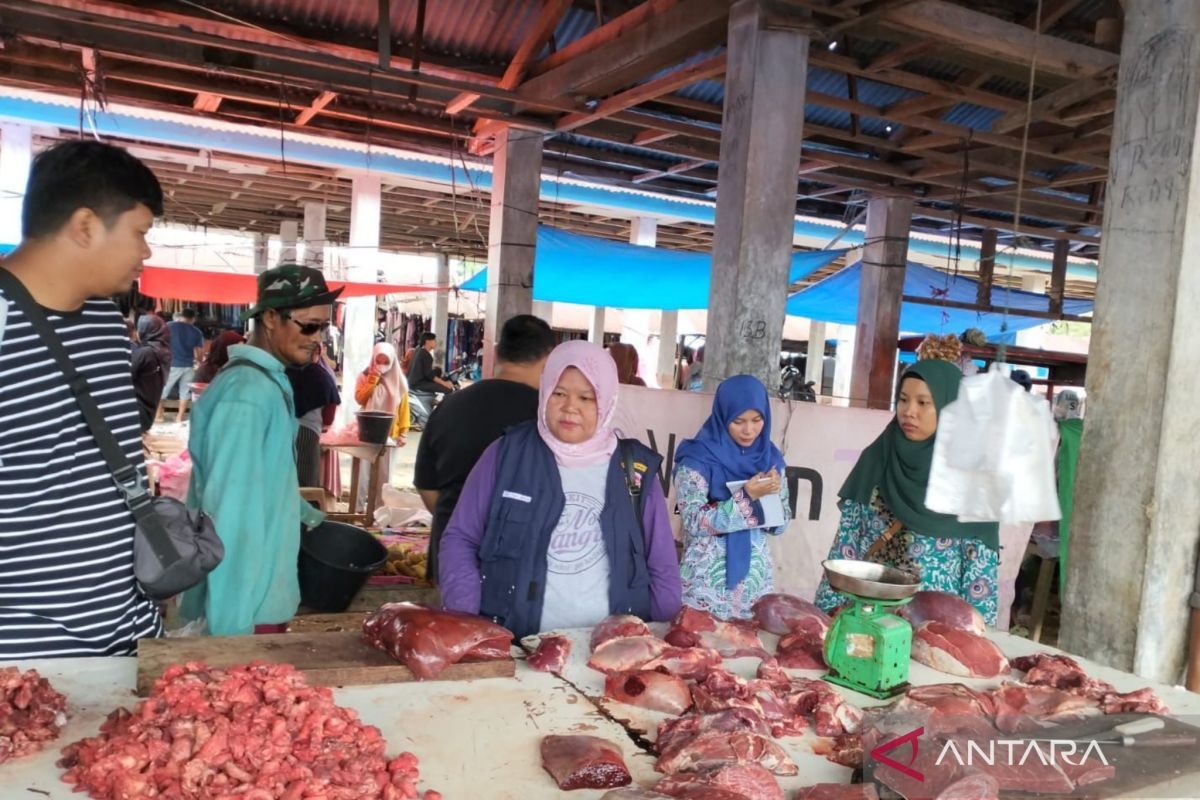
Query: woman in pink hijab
x,y
562,523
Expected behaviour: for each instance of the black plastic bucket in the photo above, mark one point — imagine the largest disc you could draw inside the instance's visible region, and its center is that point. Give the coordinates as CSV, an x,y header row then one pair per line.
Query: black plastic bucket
x,y
335,561
374,426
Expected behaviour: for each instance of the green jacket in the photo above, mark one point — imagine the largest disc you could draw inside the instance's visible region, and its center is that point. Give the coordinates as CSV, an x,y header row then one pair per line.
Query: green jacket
x,y
242,445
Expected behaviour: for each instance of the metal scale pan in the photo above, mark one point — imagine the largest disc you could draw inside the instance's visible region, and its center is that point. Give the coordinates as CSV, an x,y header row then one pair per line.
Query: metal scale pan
x,y
870,581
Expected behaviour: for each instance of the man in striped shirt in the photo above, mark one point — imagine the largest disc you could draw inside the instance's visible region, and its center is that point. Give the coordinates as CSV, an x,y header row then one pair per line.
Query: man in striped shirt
x,y
67,586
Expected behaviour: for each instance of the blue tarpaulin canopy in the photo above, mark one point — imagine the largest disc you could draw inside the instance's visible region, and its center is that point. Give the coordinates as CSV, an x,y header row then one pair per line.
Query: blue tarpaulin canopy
x,y
835,299
571,268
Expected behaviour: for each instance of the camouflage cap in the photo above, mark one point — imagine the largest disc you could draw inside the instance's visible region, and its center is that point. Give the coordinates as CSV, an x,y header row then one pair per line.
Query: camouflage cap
x,y
291,286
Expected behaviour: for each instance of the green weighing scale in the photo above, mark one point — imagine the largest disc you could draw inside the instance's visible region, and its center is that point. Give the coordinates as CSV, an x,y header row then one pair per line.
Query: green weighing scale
x,y
868,647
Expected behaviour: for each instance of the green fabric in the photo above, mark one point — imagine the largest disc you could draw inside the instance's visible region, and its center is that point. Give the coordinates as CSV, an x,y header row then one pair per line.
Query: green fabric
x,y
1070,433
244,477
899,468
291,286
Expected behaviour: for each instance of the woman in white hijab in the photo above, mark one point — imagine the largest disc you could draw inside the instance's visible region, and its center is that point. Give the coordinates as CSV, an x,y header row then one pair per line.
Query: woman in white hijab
x,y
382,387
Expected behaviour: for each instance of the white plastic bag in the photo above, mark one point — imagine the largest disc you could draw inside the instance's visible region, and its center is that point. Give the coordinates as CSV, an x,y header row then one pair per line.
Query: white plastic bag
x,y
401,510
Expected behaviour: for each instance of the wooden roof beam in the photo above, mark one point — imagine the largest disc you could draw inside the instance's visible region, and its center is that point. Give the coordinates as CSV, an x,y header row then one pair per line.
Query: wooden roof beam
x,y
535,39
1005,41
685,166
1058,100
207,103
318,104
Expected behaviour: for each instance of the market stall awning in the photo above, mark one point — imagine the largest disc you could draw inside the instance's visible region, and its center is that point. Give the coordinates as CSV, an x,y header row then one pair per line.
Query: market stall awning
x,y
570,268
835,299
229,288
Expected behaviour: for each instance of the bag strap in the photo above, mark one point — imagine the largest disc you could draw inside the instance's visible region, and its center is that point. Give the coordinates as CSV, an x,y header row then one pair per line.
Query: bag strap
x,y
124,473
631,484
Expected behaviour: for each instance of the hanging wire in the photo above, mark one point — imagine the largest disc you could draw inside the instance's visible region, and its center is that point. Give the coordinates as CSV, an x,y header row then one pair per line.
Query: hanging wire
x,y
1002,351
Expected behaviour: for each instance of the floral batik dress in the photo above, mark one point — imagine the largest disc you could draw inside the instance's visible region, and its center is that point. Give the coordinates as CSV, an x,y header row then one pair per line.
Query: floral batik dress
x,y
703,566
965,567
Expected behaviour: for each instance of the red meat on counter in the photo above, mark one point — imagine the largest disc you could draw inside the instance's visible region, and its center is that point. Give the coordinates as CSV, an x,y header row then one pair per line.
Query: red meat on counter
x,y
617,626
949,609
650,689
428,640
957,652
31,713
689,663
584,762
551,654
732,639
744,781
716,748
782,614
626,653
673,734
839,791
1065,673
1027,708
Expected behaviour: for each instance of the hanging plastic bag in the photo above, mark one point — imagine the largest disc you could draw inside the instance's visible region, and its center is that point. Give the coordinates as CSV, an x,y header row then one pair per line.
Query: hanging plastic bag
x,y
993,459
174,476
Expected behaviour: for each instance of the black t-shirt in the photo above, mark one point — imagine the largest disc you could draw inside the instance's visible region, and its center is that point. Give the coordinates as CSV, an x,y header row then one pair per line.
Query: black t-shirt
x,y
458,432
420,373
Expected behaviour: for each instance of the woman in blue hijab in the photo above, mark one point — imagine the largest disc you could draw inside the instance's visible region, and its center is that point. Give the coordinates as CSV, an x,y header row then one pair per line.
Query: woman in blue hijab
x,y
726,564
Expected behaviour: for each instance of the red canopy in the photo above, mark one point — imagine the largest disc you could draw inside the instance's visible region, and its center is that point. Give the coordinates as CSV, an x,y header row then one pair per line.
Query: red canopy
x,y
229,288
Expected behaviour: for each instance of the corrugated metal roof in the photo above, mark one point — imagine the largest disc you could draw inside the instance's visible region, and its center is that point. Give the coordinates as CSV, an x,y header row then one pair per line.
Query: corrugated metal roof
x,y
972,116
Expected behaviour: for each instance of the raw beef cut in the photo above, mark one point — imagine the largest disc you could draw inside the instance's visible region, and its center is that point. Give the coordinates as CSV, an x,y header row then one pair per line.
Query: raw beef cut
x,y
774,675
673,734
584,762
689,663
801,649
617,626
945,708
949,609
832,716
1022,709
1089,772
1035,774
839,791
971,786
745,781
696,792
626,653
1065,673
634,793
845,750
732,639
723,690
31,713
716,748
781,614
428,640
650,689
253,731
957,652
551,654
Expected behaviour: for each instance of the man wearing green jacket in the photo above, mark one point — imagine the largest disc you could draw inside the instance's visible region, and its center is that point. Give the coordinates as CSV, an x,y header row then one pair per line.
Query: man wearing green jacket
x,y
243,460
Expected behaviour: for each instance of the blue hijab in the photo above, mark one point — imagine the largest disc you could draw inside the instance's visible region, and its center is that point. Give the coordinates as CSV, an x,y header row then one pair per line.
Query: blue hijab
x,y
715,455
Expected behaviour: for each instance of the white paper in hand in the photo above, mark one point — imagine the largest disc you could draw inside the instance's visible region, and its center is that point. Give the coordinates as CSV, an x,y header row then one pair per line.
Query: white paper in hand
x,y
772,505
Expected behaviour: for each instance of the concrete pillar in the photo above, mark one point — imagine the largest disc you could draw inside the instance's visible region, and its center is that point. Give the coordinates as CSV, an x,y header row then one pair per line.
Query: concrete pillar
x,y
756,201
289,232
543,309
441,302
596,329
879,293
16,154
668,342
815,364
1136,525
635,322
360,311
262,253
314,235
843,362
512,235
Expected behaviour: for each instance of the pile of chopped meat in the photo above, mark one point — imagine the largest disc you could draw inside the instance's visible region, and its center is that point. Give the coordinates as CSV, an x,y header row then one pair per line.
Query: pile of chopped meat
x,y
1064,673
31,713
427,640
800,625
252,731
731,638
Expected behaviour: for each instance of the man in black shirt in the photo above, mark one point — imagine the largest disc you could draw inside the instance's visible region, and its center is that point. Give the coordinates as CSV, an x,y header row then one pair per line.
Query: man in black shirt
x,y
469,420
420,371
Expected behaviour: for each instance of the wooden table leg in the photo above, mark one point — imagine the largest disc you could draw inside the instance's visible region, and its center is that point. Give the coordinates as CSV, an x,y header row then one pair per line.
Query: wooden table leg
x,y
373,485
353,486
1041,597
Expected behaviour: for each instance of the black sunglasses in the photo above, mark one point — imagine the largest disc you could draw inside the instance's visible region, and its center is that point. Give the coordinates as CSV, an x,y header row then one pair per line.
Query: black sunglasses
x,y
306,328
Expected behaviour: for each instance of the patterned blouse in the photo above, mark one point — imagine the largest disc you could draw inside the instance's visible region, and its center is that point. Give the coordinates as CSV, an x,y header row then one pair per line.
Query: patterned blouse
x,y
703,566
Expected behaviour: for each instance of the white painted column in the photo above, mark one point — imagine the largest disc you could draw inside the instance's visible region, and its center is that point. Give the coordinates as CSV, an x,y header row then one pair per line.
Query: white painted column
x,y
635,322
545,310
360,311
843,369
596,329
441,302
289,232
262,253
314,236
668,336
16,154
814,369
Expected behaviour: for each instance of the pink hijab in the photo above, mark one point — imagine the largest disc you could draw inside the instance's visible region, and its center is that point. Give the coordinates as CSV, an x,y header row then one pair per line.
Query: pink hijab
x,y
601,371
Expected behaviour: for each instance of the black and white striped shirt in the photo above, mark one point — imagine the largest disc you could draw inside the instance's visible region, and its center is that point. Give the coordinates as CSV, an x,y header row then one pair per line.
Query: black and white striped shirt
x,y
66,537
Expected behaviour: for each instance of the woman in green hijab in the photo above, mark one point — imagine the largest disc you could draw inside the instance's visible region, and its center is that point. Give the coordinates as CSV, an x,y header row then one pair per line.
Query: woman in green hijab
x,y
884,518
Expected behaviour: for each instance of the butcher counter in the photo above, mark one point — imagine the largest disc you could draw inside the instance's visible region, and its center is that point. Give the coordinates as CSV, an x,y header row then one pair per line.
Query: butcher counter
x,y
480,739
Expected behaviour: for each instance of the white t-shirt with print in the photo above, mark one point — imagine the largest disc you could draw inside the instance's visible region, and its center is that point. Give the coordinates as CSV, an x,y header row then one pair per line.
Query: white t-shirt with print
x,y
577,568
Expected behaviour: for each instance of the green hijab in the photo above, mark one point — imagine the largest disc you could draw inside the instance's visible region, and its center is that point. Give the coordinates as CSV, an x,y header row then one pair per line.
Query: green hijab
x,y
899,468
